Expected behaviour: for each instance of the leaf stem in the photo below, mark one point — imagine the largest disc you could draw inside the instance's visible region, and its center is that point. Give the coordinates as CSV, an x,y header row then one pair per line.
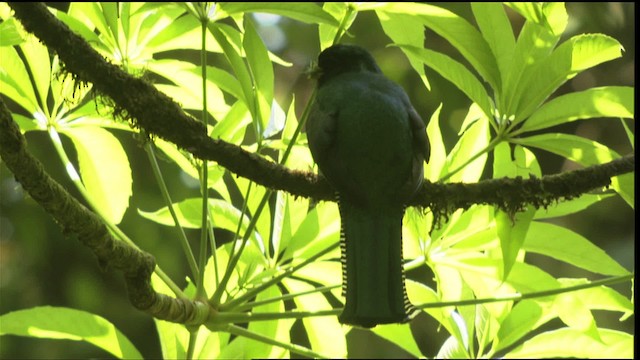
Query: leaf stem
x,y
239,331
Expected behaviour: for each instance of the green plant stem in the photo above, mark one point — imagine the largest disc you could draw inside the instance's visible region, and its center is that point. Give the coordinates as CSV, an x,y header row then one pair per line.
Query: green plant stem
x,y
204,175
238,331
341,28
193,338
322,289
244,317
75,178
251,293
532,295
186,248
234,257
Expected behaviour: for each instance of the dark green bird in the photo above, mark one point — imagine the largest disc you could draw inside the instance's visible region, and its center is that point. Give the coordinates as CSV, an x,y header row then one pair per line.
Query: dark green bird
x,y
370,144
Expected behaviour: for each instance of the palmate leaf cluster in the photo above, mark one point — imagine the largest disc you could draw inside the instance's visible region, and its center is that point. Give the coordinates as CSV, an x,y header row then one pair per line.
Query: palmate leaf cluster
x,y
283,260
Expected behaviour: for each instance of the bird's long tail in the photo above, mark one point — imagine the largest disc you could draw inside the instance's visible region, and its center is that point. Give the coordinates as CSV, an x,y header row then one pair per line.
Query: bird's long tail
x,y
372,273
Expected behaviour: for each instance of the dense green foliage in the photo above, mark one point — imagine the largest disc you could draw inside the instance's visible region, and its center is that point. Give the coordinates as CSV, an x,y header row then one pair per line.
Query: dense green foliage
x,y
281,259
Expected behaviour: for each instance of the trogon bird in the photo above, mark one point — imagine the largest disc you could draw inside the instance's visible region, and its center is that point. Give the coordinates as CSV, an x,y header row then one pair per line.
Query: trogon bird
x,y
370,144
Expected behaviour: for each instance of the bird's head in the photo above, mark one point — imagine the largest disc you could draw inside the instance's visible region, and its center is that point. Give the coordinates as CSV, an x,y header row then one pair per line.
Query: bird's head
x,y
340,59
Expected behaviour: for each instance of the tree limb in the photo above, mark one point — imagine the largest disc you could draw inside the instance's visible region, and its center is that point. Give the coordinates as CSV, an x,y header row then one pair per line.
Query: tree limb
x,y
159,115
77,220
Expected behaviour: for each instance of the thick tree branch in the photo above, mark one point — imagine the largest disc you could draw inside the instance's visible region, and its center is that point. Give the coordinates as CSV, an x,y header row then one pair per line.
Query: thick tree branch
x,y
77,220
161,116
154,111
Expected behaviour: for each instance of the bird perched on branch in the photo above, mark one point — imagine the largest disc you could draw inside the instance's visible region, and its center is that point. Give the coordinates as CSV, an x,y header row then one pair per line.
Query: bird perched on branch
x,y
370,144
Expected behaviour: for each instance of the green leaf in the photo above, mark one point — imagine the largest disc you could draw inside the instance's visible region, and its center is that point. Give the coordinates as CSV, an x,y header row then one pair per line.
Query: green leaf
x,y
573,312
629,133
567,342
47,322
324,332
345,12
521,320
567,246
104,168
581,150
438,152
16,81
452,349
407,30
570,206
400,335
455,72
531,11
534,42
189,213
455,29
496,30
185,74
573,56
472,145
319,229
232,127
601,297
223,36
421,294
10,34
306,12
275,329
512,230
607,101
37,60
262,75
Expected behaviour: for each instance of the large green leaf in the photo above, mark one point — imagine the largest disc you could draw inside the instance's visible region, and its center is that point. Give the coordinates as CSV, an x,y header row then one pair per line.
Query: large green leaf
x,y
189,214
15,80
407,30
567,342
472,145
276,329
496,30
438,152
325,334
104,168
400,335
262,77
512,228
534,43
10,33
573,56
567,246
185,75
521,320
455,72
607,101
229,40
47,322
455,29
